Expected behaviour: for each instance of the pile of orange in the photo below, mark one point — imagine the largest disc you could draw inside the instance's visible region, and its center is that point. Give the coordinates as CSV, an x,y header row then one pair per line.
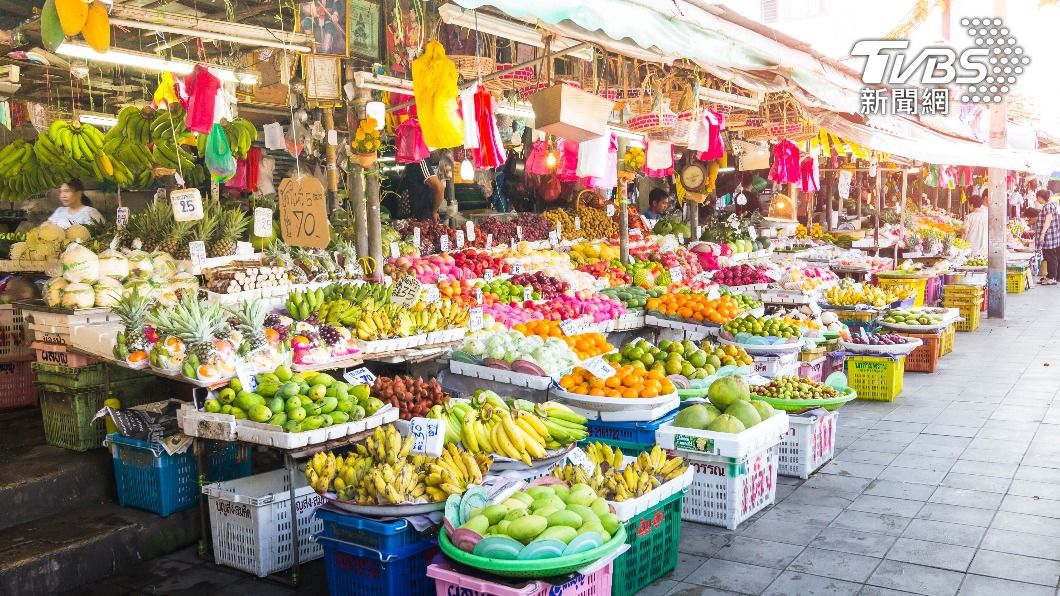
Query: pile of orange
x,y
629,380
693,306
584,345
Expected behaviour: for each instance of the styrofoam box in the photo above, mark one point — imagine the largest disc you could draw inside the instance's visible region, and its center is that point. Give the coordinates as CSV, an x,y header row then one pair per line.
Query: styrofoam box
x,y
629,321
615,404
88,317
774,366
691,331
250,519
501,376
647,415
442,337
808,444
50,334
694,443
726,491
625,510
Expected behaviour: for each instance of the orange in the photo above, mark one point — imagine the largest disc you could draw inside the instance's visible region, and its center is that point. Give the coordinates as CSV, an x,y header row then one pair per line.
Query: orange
x,y
631,393
632,381
596,392
613,381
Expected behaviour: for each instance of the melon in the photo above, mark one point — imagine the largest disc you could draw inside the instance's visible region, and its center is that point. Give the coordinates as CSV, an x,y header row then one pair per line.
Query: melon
x,y
745,413
96,30
726,391
51,30
72,15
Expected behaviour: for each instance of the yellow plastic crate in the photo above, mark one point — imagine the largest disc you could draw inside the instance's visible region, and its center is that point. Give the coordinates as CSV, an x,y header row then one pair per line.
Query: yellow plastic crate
x,y
878,378
1015,282
919,285
971,315
948,336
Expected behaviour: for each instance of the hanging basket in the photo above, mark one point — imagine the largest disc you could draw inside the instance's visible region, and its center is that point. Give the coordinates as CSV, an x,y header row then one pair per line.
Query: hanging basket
x,y
473,67
743,121
365,160
570,113
511,80
781,111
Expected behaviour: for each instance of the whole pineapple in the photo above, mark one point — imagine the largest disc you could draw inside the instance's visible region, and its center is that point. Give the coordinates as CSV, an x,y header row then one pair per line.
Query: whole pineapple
x,y
133,310
202,229
196,323
233,225
250,320
152,226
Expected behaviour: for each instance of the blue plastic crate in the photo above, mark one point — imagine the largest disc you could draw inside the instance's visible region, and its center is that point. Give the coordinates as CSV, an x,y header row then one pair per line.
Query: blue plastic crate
x,y
358,571
386,536
148,478
632,437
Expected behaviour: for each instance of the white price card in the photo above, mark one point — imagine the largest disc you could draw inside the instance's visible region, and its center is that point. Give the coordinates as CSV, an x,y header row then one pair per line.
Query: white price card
x,y
244,248
359,376
247,375
187,204
395,251
333,137
416,237
443,243
680,238
528,293
553,238
519,232
610,210
470,227
459,239
559,229
570,326
699,231
122,217
489,241
442,277
432,295
713,293
599,368
262,222
478,295
428,435
577,457
197,255
517,268
406,292
676,276
475,321
577,224
487,275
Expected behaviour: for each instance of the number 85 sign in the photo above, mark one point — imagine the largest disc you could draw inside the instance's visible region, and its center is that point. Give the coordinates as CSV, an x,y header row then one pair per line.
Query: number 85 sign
x,y
303,212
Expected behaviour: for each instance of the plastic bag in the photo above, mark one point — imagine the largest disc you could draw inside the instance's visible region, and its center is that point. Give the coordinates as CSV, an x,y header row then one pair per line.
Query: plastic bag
x,y
408,142
567,161
219,158
550,189
165,93
537,161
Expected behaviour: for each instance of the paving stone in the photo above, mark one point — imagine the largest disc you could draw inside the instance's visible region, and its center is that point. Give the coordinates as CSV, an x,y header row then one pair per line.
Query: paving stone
x,y
900,490
854,541
1038,490
1031,506
835,564
702,540
950,430
980,585
820,497
980,468
662,587
865,457
881,446
871,522
878,591
924,462
887,505
992,484
804,513
791,532
686,589
1028,524
1016,567
956,514
920,476
905,427
730,575
949,533
932,554
754,551
837,483
1020,543
966,498
991,455
686,564
916,578
791,583
857,470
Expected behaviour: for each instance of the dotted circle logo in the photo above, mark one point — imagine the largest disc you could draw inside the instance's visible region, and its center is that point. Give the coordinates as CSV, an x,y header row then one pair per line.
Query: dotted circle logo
x,y
1006,59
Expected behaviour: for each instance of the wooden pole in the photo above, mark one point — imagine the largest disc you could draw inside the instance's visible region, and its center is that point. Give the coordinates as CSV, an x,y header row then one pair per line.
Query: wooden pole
x,y
331,154
357,182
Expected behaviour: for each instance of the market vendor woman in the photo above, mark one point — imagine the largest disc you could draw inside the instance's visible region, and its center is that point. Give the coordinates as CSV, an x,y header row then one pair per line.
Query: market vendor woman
x,y
75,209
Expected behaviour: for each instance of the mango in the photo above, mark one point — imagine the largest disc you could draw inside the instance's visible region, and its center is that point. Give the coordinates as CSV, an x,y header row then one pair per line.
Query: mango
x,y
527,528
600,507
566,518
72,15
585,513
96,29
610,522
495,513
538,492
562,533
546,502
51,29
514,514
477,523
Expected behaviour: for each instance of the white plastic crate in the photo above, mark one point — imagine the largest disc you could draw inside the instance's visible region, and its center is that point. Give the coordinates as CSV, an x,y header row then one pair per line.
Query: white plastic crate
x,y
776,366
250,519
699,444
808,444
726,491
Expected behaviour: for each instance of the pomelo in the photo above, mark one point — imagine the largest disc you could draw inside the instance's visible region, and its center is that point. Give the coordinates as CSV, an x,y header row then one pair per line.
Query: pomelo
x,y
728,390
765,410
695,416
727,424
745,413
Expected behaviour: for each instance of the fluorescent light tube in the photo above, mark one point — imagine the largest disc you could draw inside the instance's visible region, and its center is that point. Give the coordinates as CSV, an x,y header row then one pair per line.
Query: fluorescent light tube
x,y
98,120
485,23
152,63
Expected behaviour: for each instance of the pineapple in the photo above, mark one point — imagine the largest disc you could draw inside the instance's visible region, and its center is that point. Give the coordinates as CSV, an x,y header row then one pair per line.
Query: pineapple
x,y
176,238
133,309
151,226
251,324
195,323
233,224
203,230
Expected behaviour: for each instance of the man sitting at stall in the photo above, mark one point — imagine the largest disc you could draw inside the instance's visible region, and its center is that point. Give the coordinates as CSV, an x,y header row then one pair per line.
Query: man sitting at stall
x,y
658,205
975,225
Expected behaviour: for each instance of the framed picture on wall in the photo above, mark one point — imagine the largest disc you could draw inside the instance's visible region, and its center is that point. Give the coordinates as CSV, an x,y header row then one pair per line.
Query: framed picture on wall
x,y
323,79
326,21
364,30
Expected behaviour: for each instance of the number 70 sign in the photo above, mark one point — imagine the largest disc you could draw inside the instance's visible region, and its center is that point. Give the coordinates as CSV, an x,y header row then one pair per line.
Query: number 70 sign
x,y
303,212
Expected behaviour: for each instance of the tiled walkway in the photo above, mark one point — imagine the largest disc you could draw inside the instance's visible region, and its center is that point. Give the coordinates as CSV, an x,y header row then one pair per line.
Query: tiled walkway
x,y
953,488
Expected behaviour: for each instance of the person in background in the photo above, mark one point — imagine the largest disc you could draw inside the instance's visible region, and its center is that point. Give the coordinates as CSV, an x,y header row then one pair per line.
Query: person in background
x,y
426,191
75,209
750,202
975,226
658,204
1047,236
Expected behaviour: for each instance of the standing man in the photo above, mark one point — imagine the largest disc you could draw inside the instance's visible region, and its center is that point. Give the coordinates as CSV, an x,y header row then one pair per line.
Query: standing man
x,y
425,188
1047,236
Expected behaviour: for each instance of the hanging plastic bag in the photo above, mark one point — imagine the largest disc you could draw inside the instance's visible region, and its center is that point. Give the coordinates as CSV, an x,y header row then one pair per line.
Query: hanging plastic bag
x,y
537,161
408,142
219,158
165,93
567,160
551,189
434,85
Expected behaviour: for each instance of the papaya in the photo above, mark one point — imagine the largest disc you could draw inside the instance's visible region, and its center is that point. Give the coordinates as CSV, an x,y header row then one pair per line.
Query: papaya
x,y
51,30
97,27
72,15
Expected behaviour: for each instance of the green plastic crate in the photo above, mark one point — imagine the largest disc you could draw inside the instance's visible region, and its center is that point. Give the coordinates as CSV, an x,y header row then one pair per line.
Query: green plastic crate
x,y
653,537
83,377
68,414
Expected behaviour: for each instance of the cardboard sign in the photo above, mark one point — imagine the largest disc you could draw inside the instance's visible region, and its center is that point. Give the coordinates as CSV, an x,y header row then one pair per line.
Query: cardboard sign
x,y
122,217
459,239
475,322
197,255
360,376
428,435
262,222
246,374
443,243
406,292
303,212
187,204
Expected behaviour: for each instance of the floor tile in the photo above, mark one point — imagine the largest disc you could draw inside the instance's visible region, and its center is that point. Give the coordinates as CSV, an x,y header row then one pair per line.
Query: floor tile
x,y
1016,567
916,578
1031,506
900,490
949,533
730,575
978,468
754,551
932,554
956,514
1020,543
857,470
791,532
992,484
791,583
854,541
887,505
865,457
835,564
966,498
980,585
871,522
686,589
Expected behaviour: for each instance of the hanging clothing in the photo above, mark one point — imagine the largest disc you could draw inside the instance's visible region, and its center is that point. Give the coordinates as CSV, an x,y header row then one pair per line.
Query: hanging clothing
x,y
566,160
536,161
434,84
490,148
253,163
201,88
785,163
266,173
708,136
608,176
274,136
810,176
467,112
592,155
659,159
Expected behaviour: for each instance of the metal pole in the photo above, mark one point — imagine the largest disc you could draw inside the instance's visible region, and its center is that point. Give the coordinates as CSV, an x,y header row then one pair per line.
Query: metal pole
x,y
901,210
357,192
876,215
375,230
332,156
828,202
996,266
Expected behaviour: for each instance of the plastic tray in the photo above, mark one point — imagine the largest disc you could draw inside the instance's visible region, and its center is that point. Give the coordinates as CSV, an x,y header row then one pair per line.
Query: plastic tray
x,y
629,436
631,415
381,535
400,510
693,443
225,427
502,376
612,404
797,405
900,350
532,568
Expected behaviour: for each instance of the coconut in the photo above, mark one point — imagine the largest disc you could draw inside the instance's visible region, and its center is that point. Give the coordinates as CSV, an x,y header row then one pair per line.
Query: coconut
x,y
108,292
79,264
113,264
164,265
140,264
184,281
78,233
141,286
53,291
78,295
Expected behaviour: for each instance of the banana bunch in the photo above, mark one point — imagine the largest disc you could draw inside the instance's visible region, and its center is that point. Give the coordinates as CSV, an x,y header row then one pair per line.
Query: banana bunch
x,y
338,311
454,471
854,294
604,455
134,124
302,303
14,157
563,424
240,133
359,293
444,314
167,155
32,178
382,324
617,483
80,142
321,470
169,126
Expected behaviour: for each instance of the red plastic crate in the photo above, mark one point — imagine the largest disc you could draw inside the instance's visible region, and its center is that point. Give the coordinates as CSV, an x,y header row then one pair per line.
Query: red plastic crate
x,y
17,389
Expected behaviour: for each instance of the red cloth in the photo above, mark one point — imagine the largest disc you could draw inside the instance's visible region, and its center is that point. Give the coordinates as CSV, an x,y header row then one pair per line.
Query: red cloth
x,y
490,151
253,162
809,181
202,90
785,163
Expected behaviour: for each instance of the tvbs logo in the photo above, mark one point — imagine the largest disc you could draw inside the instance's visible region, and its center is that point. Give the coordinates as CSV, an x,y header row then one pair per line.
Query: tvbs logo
x,y
988,69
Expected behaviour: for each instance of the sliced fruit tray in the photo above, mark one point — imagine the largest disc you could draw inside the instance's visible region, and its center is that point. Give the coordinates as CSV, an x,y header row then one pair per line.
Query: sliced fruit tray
x,y
797,405
532,568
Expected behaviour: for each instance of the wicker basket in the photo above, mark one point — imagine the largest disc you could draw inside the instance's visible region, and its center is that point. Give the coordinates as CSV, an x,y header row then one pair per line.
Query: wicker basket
x,y
513,80
473,67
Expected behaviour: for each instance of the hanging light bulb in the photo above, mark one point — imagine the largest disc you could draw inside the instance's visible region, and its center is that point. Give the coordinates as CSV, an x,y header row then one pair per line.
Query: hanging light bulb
x,y
376,111
550,159
467,171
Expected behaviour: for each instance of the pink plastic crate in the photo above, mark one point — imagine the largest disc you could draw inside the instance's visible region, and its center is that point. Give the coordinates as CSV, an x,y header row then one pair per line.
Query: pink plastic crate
x,y
57,354
447,581
16,385
812,370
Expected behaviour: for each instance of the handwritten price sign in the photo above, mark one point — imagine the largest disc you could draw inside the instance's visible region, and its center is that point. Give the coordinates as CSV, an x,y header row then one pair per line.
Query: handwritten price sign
x,y
303,212
187,204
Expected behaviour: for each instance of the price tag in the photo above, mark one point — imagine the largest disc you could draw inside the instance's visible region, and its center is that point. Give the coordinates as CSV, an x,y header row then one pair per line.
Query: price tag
x,y
528,293
304,213
416,237
428,435
122,217
553,238
432,295
577,457
197,255
187,204
517,268
246,374
394,250
577,223
569,326
773,274
519,232
475,322
443,243
713,293
470,227
360,376
406,291
680,238
489,241
599,368
559,229
244,248
459,239
699,231
487,275
333,137
478,295
676,276
262,222
610,210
